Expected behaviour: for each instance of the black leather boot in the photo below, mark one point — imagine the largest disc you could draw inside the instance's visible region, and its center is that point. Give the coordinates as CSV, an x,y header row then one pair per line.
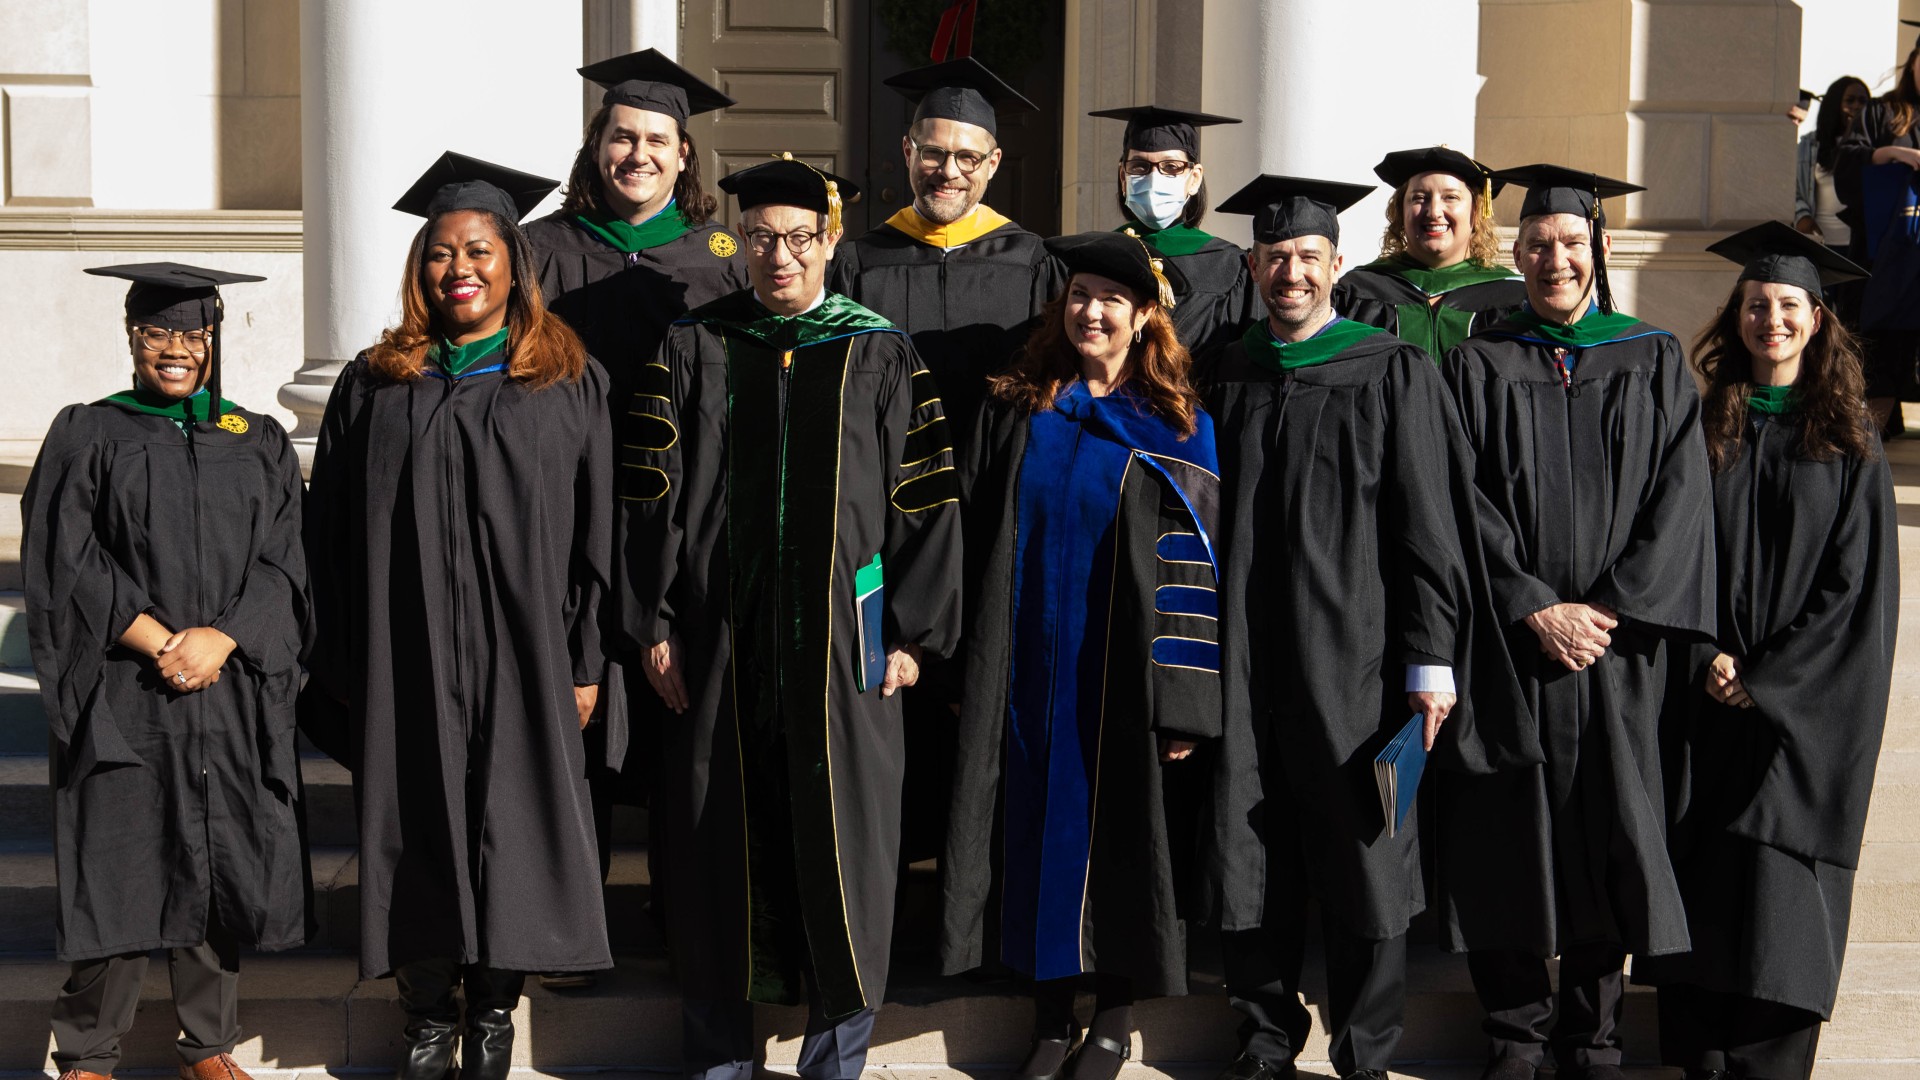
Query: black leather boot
x,y
487,1051
426,994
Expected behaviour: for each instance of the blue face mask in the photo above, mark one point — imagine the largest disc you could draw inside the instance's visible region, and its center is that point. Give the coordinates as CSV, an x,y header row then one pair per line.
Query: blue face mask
x,y
1155,199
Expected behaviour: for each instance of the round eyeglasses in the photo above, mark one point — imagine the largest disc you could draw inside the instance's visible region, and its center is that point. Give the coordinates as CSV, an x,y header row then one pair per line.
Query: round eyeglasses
x,y
157,337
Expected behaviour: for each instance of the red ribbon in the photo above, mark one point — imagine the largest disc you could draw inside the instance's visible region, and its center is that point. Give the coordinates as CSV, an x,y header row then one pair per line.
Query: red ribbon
x,y
956,30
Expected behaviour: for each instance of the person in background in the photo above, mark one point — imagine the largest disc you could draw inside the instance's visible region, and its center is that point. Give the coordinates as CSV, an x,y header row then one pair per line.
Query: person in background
x,y
460,536
1791,698
1440,276
1162,192
1094,664
167,613
791,543
1887,133
1818,210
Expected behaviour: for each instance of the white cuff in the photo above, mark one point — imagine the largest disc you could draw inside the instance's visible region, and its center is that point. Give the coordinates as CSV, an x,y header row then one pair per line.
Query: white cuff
x,y
1429,679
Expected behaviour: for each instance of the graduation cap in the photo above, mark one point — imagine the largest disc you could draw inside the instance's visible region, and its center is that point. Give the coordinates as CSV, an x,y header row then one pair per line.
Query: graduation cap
x,y
175,296
1782,255
1807,97
1117,255
1401,166
1555,189
649,80
1287,207
459,182
1152,128
1910,22
786,181
962,90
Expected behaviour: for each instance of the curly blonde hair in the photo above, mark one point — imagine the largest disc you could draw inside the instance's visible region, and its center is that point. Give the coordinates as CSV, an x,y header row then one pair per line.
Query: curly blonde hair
x,y
1483,249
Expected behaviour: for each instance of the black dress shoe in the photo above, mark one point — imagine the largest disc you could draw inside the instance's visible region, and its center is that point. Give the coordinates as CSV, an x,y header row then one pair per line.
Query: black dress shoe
x,y
1508,1068
426,994
1080,1058
486,1053
1365,1074
1249,1066
1026,1071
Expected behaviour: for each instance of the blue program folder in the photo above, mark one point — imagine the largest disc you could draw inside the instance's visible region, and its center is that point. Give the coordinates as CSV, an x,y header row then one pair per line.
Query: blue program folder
x,y
1397,772
869,614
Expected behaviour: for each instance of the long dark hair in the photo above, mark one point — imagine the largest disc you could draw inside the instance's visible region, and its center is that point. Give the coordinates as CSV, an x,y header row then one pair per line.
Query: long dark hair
x,y
542,349
1159,364
1903,101
1191,215
1830,390
1831,123
583,194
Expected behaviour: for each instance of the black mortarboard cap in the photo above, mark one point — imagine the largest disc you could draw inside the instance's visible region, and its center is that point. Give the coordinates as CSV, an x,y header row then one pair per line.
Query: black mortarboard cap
x,y
1286,207
176,296
1807,97
1556,189
1119,256
459,182
787,181
1778,253
1403,165
962,90
650,80
1152,128
1910,22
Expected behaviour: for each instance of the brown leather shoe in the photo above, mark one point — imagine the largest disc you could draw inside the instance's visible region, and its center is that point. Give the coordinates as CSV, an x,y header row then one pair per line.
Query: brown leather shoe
x,y
82,1074
217,1067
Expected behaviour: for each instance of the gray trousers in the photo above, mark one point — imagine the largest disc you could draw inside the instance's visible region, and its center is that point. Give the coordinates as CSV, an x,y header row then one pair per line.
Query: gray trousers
x,y
96,1006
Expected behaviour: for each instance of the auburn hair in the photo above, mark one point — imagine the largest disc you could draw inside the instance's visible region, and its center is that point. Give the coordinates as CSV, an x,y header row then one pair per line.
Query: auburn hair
x,y
1158,363
1903,101
1483,247
542,349
1829,393
583,194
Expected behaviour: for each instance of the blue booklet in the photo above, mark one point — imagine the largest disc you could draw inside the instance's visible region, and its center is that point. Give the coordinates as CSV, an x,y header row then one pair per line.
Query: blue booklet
x,y
869,616
1397,772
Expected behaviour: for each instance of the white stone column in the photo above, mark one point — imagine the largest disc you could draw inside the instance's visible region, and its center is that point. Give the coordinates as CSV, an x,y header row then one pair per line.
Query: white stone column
x,y
385,88
1326,89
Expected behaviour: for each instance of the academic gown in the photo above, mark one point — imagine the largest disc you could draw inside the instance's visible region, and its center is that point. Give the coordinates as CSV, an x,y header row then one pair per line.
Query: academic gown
x,y
166,806
1773,799
460,536
1595,489
773,458
1376,295
1092,636
1890,299
966,307
1213,288
1344,561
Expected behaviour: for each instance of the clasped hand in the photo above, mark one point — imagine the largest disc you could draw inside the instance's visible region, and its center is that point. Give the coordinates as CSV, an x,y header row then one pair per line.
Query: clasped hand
x,y
1724,683
1574,634
191,659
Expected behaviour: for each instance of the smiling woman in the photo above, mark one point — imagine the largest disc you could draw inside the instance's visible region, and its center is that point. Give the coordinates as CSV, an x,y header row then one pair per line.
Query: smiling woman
x,y
458,594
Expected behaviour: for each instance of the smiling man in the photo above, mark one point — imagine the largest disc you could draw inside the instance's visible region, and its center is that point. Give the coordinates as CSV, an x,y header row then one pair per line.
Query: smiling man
x,y
1345,608
957,276
788,455
1440,276
1597,498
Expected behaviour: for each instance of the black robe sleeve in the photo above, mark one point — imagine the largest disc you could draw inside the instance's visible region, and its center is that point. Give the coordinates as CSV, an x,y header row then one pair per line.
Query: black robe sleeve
x,y
922,548
79,599
1821,682
276,582
328,524
650,488
591,574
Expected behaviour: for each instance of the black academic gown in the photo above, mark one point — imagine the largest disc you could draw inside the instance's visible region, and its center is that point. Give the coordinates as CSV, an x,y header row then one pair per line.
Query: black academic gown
x,y
1595,489
776,457
168,807
1344,561
966,308
1382,299
1213,293
1890,299
1095,851
1772,800
460,536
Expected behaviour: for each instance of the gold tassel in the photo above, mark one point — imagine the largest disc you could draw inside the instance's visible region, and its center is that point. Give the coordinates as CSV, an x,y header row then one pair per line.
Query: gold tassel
x,y
1486,198
1166,289
833,192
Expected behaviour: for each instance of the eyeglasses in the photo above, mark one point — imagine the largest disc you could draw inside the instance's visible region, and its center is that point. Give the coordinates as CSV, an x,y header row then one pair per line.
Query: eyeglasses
x,y
1169,167
761,241
157,337
935,157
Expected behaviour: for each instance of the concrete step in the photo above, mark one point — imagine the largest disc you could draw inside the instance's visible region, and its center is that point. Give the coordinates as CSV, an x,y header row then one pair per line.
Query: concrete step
x,y
29,900
309,1012
14,652
23,719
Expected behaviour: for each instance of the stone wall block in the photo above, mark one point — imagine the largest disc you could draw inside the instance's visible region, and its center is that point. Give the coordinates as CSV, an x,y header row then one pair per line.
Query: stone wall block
x,y
1753,163
44,37
48,156
1543,58
259,153
1714,56
1670,156
271,31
